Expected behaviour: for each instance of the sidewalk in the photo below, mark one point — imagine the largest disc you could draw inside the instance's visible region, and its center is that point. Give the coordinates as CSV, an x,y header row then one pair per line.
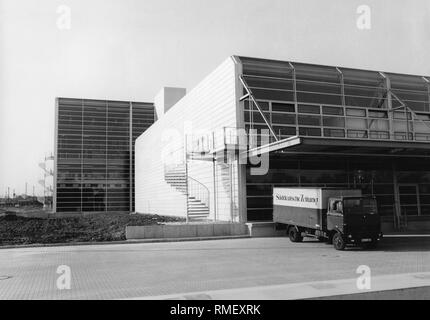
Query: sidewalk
x,y
382,287
143,241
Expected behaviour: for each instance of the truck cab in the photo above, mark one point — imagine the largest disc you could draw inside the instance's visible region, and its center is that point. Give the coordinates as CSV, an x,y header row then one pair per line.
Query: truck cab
x,y
353,220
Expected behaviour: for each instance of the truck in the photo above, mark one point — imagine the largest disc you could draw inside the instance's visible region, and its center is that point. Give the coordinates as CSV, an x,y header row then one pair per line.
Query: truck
x,y
337,216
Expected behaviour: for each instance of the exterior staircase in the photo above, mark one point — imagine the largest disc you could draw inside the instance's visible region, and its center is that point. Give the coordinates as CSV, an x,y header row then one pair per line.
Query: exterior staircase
x,y
198,194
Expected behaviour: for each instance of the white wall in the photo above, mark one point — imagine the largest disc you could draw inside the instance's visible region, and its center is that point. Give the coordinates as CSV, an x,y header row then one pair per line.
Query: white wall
x,y
210,106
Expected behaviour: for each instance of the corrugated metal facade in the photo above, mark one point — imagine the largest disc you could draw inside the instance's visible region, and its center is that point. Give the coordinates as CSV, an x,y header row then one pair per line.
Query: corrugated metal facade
x,y
211,106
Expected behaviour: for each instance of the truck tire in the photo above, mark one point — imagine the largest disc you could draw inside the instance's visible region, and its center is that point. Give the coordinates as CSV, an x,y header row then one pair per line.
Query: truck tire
x,y
338,241
294,235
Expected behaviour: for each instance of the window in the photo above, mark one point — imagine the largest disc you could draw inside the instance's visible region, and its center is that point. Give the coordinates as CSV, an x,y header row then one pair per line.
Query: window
x,y
255,117
379,135
334,122
422,137
309,97
378,114
263,105
265,94
423,116
357,134
283,107
336,111
402,115
309,109
356,123
285,131
412,90
364,88
356,112
261,82
402,136
334,133
283,118
309,120
379,125
311,132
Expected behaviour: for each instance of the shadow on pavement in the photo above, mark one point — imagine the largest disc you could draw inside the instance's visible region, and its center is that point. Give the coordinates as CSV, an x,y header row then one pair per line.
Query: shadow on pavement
x,y
391,244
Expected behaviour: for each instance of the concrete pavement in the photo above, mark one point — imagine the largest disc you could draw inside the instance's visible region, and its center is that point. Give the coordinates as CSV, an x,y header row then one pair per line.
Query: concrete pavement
x,y
397,286
149,270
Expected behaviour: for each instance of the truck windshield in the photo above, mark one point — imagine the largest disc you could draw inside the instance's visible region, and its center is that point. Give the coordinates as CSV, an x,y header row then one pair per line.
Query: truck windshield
x,y
360,206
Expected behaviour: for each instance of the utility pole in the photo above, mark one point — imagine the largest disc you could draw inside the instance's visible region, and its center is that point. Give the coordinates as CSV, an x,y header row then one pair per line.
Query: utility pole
x,y
26,189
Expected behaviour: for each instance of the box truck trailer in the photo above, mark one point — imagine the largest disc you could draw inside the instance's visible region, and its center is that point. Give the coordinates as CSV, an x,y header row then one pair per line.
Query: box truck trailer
x,y
339,216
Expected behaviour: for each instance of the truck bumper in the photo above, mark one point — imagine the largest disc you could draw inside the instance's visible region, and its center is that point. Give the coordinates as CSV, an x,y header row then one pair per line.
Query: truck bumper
x,y
362,238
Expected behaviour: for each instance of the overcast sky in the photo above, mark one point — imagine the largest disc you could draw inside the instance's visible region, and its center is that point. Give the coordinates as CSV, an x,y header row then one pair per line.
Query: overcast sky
x,y
129,49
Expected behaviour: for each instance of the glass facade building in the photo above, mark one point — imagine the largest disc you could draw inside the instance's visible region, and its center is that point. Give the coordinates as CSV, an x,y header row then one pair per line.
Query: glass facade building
x,y
352,117
94,167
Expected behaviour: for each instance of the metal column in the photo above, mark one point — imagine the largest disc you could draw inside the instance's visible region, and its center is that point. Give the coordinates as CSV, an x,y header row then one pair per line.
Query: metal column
x,y
398,212
131,173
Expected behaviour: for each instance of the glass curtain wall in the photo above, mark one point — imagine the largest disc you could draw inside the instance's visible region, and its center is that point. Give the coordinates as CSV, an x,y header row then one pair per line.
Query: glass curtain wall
x,y
331,102
95,153
375,176
338,103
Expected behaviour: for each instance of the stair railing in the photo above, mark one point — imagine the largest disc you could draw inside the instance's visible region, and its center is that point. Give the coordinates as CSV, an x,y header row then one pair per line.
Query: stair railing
x,y
199,191
196,189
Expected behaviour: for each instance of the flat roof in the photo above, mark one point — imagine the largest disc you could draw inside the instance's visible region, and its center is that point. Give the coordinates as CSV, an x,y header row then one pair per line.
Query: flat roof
x,y
333,146
245,59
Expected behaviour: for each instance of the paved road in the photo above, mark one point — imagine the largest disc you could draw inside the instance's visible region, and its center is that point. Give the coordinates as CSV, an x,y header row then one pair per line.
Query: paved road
x,y
143,270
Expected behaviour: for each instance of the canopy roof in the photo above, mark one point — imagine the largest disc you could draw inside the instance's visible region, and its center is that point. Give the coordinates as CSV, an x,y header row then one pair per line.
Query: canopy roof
x,y
313,145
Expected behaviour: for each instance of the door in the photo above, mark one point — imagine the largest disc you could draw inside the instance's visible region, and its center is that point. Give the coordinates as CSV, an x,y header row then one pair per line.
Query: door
x,y
409,200
334,215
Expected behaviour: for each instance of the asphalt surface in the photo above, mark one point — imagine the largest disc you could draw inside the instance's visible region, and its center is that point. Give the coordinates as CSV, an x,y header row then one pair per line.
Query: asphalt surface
x,y
126,271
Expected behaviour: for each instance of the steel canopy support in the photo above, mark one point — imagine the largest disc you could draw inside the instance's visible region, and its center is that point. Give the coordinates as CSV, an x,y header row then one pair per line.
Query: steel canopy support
x,y
251,96
428,90
342,86
296,100
391,95
409,109
246,96
389,103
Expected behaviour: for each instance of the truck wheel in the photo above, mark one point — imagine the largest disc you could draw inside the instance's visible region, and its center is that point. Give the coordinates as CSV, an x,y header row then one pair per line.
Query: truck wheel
x,y
339,242
294,235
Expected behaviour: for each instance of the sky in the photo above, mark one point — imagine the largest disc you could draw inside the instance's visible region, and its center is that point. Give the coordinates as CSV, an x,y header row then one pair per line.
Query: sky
x,y
130,49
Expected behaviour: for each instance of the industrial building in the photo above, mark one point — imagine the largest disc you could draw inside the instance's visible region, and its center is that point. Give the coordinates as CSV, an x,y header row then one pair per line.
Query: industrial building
x,y
94,154
217,152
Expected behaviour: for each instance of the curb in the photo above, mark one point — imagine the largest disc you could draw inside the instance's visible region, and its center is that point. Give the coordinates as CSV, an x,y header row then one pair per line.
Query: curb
x,y
143,241
392,286
84,244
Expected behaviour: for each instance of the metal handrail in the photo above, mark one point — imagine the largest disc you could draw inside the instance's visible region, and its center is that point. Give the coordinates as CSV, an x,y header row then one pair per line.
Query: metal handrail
x,y
198,191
